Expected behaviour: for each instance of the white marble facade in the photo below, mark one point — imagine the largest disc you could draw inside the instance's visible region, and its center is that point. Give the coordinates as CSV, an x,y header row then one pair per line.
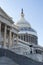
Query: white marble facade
x,y
7,30
9,37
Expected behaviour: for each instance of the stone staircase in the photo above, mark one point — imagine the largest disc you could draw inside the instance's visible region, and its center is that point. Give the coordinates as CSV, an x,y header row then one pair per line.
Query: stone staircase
x,y
6,61
8,57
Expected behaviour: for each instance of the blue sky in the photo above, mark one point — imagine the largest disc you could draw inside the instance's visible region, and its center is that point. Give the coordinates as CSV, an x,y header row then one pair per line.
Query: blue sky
x,y
33,10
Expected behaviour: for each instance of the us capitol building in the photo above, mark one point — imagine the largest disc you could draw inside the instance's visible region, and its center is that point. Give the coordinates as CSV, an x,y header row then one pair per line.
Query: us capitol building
x,y
19,38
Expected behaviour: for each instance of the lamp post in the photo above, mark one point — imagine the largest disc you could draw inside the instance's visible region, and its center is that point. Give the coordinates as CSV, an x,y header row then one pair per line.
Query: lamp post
x,y
31,48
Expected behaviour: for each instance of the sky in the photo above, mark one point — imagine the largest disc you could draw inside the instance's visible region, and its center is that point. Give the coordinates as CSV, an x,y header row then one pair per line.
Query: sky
x,y
33,11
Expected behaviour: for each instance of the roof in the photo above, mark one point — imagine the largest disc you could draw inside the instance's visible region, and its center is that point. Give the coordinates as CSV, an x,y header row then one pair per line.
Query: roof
x,y
27,29
4,14
24,26
23,22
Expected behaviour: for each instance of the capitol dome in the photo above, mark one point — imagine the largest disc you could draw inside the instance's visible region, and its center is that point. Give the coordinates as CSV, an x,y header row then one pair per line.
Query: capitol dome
x,y
22,22
26,32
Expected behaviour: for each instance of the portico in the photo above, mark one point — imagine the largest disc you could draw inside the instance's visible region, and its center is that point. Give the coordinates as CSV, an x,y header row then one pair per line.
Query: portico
x,y
4,34
7,31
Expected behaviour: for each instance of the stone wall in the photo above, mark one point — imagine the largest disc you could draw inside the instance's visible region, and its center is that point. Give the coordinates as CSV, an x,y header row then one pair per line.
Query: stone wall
x,y
19,59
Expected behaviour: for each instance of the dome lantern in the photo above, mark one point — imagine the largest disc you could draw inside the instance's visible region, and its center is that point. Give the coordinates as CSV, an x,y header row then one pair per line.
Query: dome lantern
x,y
22,14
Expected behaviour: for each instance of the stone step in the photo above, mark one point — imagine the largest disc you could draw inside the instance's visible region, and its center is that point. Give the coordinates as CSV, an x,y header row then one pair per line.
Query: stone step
x,y
6,61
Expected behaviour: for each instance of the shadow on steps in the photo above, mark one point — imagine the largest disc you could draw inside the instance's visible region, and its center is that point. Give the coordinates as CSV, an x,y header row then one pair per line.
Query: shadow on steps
x,y
19,59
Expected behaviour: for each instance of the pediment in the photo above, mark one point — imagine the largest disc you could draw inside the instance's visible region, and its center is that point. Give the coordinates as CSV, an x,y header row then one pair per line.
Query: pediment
x,y
4,14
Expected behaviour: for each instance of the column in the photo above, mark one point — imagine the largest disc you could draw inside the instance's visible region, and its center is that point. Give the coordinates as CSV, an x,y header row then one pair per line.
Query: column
x,y
25,37
28,38
10,39
22,37
17,38
13,40
0,33
5,35
0,27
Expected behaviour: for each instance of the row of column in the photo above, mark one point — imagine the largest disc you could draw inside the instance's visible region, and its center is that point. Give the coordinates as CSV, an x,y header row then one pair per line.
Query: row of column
x,y
11,39
28,38
5,34
24,37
